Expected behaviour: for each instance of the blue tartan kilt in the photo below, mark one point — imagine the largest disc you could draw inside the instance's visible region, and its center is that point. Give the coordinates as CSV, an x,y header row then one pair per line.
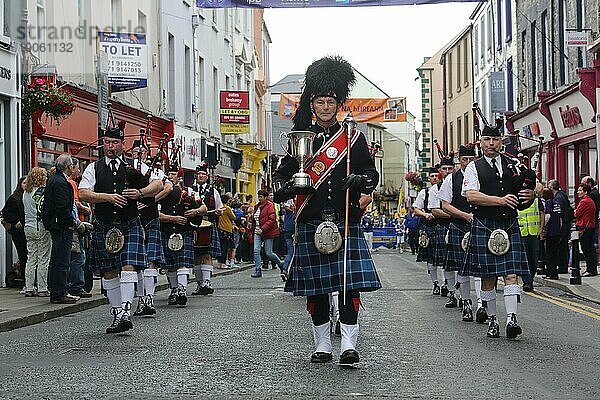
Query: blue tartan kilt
x,y
440,248
133,252
482,263
455,256
181,258
215,246
154,249
312,273
426,254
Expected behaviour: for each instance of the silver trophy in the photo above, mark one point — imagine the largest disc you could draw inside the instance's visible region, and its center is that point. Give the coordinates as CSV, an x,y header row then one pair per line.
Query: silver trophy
x,y
300,146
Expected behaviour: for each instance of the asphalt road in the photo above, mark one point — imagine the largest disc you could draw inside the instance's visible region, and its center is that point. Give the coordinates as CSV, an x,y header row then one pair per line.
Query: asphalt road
x,y
250,340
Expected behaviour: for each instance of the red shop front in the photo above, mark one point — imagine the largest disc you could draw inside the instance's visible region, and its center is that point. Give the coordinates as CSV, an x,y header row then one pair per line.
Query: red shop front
x,y
78,133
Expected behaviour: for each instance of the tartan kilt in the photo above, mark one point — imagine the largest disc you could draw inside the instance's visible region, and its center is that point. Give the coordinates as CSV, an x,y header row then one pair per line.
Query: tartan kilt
x,y
482,263
455,256
181,258
312,273
426,254
153,242
440,247
133,252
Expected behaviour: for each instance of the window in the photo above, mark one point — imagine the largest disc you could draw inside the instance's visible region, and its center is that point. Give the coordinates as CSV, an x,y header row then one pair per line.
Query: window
x,y
580,11
451,135
490,30
523,55
116,8
466,129
481,41
508,16
533,80
215,97
215,17
449,72
459,127
171,72
458,73
510,101
467,68
41,22
476,47
201,91
1,17
545,55
143,28
562,24
499,23
227,82
188,84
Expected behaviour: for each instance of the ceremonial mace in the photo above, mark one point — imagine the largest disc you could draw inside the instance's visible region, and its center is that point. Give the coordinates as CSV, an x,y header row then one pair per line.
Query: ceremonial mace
x,y
350,124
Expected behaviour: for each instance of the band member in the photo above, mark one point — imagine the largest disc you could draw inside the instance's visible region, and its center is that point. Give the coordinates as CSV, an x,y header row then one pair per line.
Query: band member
x,y
427,229
442,220
317,267
495,247
148,210
207,195
461,215
115,187
176,212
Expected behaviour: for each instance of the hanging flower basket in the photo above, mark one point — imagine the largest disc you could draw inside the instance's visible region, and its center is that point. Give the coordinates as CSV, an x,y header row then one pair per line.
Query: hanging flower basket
x,y
46,97
415,180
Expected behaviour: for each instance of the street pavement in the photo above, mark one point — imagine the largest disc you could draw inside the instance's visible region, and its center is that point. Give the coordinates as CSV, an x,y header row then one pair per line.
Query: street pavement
x,y
251,340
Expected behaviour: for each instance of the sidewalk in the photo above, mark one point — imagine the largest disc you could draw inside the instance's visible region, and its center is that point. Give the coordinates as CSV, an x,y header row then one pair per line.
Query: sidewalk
x,y
17,311
589,288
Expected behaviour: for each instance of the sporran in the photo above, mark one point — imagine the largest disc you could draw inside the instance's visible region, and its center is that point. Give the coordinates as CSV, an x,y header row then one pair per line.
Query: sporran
x,y
175,242
499,242
328,239
114,240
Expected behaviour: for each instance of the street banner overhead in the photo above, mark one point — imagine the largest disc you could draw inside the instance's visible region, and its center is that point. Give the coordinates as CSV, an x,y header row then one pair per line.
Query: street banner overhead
x,y
127,60
235,112
316,3
391,109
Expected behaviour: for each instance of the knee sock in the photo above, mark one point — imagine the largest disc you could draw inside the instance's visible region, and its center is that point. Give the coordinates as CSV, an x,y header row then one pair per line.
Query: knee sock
x,y
172,277
489,296
318,308
465,286
182,277
206,273
477,281
139,286
450,279
113,291
511,298
150,277
433,275
128,281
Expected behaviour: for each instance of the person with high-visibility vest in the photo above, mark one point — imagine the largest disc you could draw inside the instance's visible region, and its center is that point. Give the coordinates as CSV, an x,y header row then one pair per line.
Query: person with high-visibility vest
x,y
531,223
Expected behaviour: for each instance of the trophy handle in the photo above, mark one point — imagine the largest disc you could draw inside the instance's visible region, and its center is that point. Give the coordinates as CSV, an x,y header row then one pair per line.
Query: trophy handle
x,y
281,136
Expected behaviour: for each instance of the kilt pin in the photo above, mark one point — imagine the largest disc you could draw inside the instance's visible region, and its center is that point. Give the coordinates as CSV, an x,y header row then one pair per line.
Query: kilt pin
x,y
480,262
313,273
133,252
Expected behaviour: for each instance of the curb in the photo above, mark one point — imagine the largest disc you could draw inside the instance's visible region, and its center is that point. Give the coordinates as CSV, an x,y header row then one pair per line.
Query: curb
x,y
47,312
583,291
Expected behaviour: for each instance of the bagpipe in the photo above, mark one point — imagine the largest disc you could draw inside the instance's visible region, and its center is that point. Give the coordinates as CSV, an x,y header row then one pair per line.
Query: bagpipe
x,y
525,177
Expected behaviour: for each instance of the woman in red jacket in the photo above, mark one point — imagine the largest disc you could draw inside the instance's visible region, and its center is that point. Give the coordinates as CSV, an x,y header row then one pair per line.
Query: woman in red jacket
x,y
585,222
265,230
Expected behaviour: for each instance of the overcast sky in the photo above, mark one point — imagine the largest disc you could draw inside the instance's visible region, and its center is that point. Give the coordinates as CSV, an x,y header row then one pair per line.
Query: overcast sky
x,y
386,44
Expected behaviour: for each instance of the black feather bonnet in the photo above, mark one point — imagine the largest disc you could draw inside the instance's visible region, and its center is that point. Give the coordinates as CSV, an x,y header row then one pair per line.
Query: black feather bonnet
x,y
330,76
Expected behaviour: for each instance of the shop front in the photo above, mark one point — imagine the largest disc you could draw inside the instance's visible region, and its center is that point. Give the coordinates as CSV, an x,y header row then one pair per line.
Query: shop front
x,y
78,133
11,146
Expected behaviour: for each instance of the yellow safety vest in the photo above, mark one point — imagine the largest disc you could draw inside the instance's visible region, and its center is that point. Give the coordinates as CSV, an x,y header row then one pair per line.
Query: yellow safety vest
x,y
529,220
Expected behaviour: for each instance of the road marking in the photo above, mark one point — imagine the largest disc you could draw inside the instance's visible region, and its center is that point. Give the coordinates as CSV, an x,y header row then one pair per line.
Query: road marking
x,y
570,305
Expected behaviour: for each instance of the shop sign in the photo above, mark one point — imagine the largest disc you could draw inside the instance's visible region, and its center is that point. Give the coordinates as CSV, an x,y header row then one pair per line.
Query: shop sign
x,y
570,116
127,59
190,142
577,38
531,130
8,66
235,112
497,92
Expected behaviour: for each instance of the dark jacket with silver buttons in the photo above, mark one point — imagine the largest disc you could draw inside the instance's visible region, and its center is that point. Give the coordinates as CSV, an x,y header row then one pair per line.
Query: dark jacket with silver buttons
x,y
331,195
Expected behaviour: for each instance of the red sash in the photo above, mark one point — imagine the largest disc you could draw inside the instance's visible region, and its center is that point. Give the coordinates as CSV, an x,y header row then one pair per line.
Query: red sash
x,y
331,153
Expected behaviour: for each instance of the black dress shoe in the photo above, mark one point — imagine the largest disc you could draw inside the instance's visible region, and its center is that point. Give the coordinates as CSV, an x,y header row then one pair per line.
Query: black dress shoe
x,y
181,297
467,311
319,357
493,328
82,294
452,302
172,301
512,328
436,289
528,287
64,300
444,291
120,324
349,357
481,315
